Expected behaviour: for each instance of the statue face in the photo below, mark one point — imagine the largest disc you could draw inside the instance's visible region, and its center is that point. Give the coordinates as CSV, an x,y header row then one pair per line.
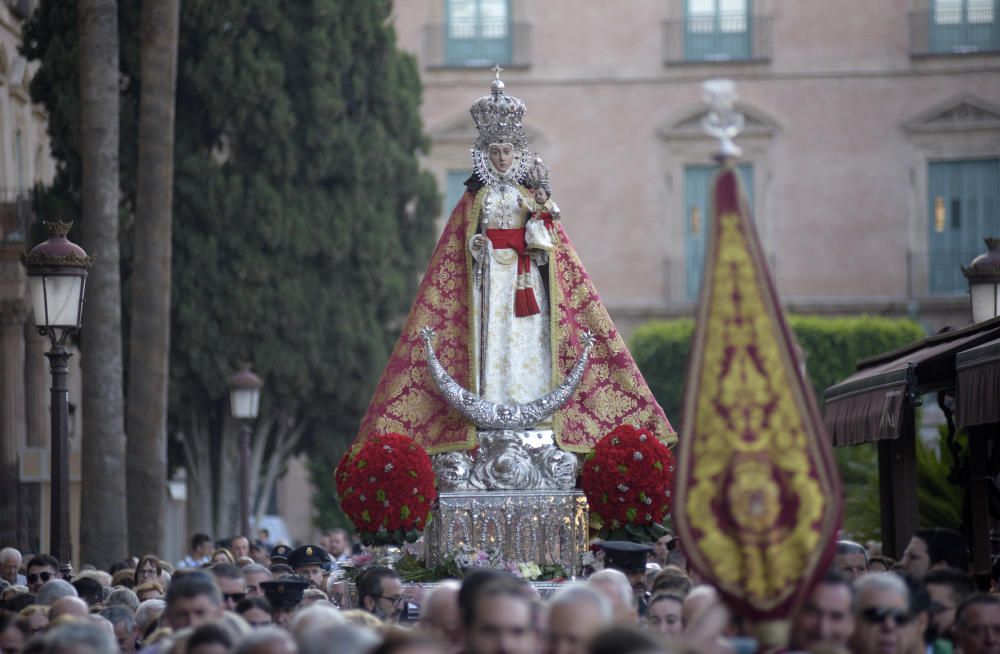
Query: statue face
x,y
502,156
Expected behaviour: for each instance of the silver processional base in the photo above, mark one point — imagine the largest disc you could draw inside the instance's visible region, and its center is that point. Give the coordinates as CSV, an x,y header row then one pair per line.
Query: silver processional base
x,y
540,526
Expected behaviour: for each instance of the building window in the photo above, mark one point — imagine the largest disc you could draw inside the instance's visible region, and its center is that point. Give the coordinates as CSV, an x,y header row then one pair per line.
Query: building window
x,y
716,30
964,25
453,190
477,32
962,209
697,219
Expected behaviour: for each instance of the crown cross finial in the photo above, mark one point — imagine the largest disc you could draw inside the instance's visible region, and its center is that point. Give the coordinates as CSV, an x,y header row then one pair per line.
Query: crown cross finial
x,y
497,69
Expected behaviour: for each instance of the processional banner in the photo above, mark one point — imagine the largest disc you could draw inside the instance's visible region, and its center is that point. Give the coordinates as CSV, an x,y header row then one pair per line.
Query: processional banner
x,y
758,498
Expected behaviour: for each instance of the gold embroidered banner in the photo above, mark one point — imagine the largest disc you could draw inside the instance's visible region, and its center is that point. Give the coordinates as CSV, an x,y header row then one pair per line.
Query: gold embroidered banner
x,y
758,500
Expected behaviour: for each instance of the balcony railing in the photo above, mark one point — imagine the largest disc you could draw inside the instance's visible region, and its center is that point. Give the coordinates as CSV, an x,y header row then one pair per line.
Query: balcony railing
x,y
17,213
962,30
717,38
479,44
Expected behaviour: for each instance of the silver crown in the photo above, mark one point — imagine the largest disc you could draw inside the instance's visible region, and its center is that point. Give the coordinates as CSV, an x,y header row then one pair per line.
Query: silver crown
x,y
538,175
499,117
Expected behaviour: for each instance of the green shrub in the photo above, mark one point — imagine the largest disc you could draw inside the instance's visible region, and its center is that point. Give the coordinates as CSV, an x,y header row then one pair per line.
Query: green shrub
x,y
832,345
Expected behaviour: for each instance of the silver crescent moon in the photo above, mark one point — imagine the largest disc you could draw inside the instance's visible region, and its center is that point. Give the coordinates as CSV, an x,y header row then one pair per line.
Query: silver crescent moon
x,y
491,415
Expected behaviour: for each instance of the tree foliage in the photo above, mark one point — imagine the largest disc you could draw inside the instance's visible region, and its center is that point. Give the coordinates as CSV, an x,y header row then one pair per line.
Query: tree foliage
x,y
301,218
832,345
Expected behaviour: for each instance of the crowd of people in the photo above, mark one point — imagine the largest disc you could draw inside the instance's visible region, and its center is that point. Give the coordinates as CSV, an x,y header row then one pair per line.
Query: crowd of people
x,y
248,598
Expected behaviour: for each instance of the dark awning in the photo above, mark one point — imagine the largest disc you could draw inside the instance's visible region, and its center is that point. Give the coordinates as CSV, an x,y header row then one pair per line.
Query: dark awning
x,y
868,405
977,385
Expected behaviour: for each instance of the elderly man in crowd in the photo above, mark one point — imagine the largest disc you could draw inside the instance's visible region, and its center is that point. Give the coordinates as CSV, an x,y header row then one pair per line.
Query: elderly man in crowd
x,y
615,587
883,617
253,575
851,559
10,565
380,592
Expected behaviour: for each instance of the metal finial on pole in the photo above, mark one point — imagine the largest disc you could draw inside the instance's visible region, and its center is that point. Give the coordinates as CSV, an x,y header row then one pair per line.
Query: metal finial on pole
x,y
722,121
497,69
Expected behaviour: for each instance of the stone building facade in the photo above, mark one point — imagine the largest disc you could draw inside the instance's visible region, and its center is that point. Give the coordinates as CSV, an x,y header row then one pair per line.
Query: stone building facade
x,y
870,153
25,160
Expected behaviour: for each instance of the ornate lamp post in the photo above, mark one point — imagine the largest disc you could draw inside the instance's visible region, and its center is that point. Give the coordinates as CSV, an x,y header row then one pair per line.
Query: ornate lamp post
x,y
983,275
244,402
57,277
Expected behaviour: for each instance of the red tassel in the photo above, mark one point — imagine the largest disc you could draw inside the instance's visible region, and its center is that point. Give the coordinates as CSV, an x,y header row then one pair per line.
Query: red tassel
x,y
525,303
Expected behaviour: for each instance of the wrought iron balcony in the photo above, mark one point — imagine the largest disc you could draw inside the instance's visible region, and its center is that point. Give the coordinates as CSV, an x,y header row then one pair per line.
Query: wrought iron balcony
x,y
954,31
17,213
717,38
478,44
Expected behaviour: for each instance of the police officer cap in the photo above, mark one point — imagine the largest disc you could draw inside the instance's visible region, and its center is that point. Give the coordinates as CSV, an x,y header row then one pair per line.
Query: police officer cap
x,y
284,592
308,555
279,553
625,555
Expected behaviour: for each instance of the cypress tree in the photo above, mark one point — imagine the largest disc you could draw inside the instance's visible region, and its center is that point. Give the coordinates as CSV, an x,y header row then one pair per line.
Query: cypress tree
x,y
301,218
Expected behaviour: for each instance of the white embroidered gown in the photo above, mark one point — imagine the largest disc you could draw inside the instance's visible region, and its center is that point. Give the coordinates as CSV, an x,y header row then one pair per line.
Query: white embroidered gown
x,y
518,349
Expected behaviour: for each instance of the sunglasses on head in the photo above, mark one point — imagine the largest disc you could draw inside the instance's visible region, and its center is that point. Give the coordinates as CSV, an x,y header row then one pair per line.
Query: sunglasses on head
x,y
45,576
879,614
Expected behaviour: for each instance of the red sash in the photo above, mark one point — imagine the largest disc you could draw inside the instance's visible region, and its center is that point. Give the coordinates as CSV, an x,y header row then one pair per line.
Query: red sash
x,y
524,296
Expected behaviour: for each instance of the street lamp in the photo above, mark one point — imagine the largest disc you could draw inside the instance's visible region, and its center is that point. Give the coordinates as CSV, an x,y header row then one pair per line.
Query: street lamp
x,y
983,275
57,278
244,401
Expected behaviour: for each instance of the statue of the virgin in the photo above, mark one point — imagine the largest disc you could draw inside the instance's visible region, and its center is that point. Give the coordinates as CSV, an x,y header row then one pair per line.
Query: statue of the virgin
x,y
510,309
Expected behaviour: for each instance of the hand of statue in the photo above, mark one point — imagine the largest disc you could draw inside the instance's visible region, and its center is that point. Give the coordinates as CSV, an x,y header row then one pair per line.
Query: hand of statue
x,y
479,246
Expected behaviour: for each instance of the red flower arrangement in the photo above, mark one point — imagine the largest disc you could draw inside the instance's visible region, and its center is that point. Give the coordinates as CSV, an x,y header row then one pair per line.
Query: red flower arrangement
x,y
628,479
387,488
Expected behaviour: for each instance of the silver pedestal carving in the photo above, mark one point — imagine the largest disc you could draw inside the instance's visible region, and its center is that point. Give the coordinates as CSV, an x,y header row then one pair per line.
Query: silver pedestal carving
x,y
509,460
544,527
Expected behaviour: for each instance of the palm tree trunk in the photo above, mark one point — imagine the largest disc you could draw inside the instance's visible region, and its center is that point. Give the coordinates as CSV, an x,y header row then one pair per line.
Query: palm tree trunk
x,y
149,332
103,520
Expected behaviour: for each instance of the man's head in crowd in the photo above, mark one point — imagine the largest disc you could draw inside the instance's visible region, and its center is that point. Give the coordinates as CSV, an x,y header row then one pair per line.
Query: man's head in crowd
x,y
977,625
310,561
883,622
339,542
576,612
210,638
380,592
89,590
851,559
10,562
284,594
192,599
267,640
79,638
497,617
123,622
630,558
232,583
947,589
239,546
827,614
201,546
254,574
256,611
41,568
440,616
930,549
615,587
72,606
54,589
